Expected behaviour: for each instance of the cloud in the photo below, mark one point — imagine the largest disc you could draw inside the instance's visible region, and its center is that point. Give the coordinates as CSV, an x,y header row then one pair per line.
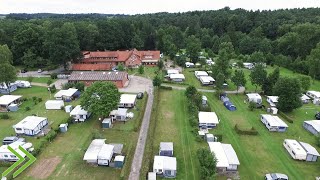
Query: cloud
x,y
142,6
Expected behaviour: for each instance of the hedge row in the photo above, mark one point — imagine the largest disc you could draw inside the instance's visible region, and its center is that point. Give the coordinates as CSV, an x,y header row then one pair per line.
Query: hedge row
x,y
287,118
252,131
179,83
166,87
148,151
137,123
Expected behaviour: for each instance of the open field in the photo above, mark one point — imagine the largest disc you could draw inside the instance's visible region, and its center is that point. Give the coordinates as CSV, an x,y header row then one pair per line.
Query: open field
x,y
38,79
264,153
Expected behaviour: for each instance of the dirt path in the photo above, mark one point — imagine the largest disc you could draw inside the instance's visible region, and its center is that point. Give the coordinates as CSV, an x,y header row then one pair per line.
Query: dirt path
x,y
138,155
44,168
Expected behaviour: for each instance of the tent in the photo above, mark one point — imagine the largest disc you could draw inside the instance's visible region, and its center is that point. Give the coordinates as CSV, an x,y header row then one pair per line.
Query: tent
x,y
229,106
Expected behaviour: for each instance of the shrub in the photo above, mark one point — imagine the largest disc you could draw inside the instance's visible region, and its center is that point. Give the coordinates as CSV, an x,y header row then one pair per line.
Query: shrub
x,y
252,131
206,108
39,99
54,76
4,116
49,82
27,108
34,98
252,106
166,87
97,135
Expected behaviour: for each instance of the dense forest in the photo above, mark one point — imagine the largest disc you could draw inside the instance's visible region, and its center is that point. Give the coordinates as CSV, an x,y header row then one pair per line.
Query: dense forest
x,y
288,38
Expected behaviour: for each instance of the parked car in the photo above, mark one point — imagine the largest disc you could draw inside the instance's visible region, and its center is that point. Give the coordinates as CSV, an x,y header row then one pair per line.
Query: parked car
x,y
276,176
23,71
317,116
12,139
140,95
39,70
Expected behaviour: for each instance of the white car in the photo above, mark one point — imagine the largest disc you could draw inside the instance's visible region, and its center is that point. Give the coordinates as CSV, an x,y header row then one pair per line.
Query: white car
x,y
276,176
39,70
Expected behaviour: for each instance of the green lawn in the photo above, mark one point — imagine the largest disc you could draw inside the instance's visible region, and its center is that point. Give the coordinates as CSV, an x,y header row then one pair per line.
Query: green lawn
x,y
264,153
149,72
71,146
38,79
55,117
172,125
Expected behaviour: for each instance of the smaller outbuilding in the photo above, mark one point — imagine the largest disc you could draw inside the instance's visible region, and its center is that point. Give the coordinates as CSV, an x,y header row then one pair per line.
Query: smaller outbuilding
x,y
152,176
107,123
166,149
63,128
31,125
165,166
210,138
119,115
119,161
206,80
54,104
312,126
177,77
204,100
13,107
127,100
79,114
7,100
272,100
208,120
67,95
68,108
254,97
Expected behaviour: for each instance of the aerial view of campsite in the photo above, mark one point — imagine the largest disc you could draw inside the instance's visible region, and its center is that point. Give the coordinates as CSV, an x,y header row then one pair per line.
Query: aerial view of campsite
x,y
147,90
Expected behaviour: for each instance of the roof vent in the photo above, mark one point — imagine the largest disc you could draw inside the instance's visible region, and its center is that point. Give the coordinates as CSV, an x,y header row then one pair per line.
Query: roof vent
x,y
104,73
116,72
109,72
81,72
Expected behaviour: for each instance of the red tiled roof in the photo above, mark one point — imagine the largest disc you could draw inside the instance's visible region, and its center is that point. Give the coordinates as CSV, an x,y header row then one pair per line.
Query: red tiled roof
x,y
97,76
90,67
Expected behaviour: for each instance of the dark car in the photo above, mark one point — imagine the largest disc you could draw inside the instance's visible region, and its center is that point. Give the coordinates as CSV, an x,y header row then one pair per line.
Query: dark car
x,y
317,116
140,95
23,71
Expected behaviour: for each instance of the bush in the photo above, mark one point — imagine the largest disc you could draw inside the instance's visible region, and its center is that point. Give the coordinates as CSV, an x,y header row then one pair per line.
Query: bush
x,y
27,108
49,82
34,98
39,99
252,131
252,106
206,108
97,135
5,116
54,76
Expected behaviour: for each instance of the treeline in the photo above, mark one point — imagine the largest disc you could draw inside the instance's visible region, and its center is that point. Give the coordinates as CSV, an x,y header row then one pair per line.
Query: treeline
x,y
282,37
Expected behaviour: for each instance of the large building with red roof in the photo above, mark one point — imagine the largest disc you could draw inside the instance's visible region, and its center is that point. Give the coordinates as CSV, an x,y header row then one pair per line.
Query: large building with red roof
x,y
106,60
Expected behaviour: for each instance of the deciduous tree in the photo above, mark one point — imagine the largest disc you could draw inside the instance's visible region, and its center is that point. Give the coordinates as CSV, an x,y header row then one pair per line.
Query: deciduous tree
x,y
100,98
239,79
258,75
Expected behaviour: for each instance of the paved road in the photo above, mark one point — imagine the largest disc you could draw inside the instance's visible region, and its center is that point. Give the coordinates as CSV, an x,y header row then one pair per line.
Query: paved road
x,y
138,155
137,84
42,74
241,89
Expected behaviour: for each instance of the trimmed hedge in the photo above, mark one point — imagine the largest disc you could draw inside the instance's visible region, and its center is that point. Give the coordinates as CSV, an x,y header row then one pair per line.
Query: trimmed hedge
x,y
287,118
4,116
138,123
165,87
252,131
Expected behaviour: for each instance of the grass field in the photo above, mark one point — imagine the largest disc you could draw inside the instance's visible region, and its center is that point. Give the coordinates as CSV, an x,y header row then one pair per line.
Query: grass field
x,y
172,125
55,117
70,147
149,72
264,153
38,79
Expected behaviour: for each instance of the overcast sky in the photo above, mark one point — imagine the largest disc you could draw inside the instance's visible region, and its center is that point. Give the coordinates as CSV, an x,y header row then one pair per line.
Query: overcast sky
x,y
143,6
